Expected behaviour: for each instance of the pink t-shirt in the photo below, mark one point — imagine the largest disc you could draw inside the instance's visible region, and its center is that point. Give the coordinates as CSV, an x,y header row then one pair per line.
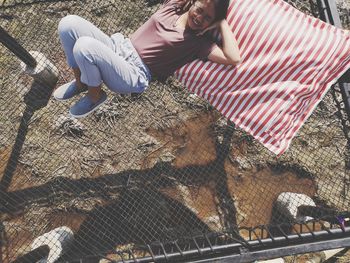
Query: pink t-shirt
x,y
163,47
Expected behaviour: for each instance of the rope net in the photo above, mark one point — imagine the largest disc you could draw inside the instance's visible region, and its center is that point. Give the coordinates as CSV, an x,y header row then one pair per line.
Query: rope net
x,y
152,168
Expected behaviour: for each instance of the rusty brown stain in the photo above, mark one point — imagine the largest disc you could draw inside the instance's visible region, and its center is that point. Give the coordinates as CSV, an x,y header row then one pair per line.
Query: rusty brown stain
x,y
186,140
200,199
256,191
192,143
20,179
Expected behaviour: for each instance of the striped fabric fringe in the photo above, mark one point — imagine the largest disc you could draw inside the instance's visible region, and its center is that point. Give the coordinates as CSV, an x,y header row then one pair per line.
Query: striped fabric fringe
x,y
289,61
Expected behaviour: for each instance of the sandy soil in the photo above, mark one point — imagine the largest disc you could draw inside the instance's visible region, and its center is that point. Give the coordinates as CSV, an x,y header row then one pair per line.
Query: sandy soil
x,y
143,168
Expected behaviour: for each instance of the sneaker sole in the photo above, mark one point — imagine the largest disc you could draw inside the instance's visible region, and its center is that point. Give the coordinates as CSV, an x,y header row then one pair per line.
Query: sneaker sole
x,y
59,99
89,112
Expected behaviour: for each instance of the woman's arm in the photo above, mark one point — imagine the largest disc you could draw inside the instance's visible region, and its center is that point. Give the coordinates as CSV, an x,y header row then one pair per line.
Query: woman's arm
x,y
228,54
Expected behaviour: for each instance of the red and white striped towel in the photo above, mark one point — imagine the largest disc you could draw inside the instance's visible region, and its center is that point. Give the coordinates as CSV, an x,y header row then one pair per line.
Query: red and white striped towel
x,y
289,61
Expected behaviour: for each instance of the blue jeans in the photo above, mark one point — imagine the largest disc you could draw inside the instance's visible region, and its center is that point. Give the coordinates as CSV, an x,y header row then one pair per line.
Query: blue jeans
x,y
101,58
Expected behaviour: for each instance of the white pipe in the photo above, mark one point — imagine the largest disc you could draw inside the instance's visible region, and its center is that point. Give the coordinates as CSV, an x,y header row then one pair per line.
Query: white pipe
x,y
57,240
44,70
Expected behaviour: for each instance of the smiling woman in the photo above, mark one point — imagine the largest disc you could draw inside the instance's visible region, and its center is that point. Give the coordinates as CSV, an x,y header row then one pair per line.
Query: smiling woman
x,y
201,15
289,62
172,37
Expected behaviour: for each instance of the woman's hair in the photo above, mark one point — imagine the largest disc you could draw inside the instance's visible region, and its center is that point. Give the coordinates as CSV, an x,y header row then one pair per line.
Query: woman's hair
x,y
221,7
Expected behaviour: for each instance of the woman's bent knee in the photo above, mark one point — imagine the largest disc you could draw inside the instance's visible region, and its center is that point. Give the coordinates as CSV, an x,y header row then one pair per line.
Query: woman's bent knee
x,y
68,23
86,47
85,44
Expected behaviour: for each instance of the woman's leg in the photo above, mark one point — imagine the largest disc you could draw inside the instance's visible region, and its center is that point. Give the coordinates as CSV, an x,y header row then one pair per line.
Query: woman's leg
x,y
77,74
70,29
99,63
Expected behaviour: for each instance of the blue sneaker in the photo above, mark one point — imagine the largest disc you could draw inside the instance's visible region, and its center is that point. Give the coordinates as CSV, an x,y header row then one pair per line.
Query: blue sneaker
x,y
85,106
67,91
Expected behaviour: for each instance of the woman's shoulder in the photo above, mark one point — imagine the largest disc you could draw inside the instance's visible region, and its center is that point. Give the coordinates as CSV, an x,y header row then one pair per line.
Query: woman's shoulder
x,y
176,4
168,9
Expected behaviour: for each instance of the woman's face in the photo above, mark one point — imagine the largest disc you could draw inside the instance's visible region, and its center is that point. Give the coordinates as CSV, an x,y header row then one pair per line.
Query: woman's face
x,y
201,15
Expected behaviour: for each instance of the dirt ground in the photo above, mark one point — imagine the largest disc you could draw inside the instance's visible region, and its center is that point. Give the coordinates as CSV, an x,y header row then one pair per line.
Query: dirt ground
x,y
143,168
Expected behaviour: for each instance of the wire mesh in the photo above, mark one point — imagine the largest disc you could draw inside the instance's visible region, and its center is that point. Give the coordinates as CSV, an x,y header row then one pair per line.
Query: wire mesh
x,y
147,170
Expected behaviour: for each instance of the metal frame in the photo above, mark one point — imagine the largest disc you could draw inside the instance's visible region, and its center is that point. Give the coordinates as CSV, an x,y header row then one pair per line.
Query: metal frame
x,y
12,44
205,249
328,13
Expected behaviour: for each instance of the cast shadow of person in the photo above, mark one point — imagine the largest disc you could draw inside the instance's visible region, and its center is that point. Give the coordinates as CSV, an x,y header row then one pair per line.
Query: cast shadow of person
x,y
137,217
143,214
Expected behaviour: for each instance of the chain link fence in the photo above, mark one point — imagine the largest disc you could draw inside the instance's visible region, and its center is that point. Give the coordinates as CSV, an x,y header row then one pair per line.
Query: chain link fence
x,y
151,175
